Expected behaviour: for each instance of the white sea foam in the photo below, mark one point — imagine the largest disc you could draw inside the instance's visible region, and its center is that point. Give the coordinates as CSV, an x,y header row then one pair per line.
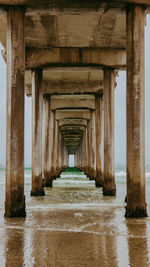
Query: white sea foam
x,y
120,173
72,175
75,206
148,174
71,179
123,174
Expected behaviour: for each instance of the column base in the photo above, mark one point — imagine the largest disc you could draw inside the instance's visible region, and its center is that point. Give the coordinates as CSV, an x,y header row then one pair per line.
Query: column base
x,y
109,192
137,212
54,177
38,193
48,183
91,178
92,174
99,183
18,210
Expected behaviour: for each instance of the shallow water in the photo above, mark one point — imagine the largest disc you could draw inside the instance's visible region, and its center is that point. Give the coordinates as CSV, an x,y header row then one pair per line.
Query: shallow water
x,y
74,225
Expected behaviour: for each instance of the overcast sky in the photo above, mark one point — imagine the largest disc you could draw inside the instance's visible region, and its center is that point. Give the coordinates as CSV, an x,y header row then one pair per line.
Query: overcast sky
x,y
120,112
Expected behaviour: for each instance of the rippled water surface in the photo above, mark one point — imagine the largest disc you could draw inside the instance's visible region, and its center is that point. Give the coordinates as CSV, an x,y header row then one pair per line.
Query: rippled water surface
x,y
74,225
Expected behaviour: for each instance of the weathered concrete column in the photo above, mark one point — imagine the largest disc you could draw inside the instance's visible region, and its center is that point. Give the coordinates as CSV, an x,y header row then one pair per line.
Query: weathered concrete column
x,y
60,154
15,200
84,159
80,156
37,112
87,150
51,146
99,182
66,157
47,141
56,149
136,205
92,144
63,160
90,150
109,188
77,159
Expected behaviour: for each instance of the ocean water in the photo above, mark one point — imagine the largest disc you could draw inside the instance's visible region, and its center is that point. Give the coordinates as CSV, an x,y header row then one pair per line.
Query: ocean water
x,y
74,225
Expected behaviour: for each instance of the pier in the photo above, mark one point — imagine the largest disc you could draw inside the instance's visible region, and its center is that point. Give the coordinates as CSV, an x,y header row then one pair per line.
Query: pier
x,y
66,56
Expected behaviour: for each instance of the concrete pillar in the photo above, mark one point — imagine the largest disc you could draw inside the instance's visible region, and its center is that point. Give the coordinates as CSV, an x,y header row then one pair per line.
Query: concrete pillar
x,y
60,159
59,153
64,160
66,157
47,141
80,156
90,150
92,146
136,205
37,112
51,147
84,152
99,142
15,200
77,159
87,151
63,155
56,149
109,188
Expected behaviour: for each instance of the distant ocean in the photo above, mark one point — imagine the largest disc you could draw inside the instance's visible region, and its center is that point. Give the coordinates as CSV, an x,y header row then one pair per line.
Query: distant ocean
x,y
120,174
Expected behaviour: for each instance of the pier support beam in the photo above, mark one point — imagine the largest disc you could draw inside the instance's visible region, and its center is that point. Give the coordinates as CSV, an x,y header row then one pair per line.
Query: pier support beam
x,y
66,157
51,147
37,112
87,150
63,155
15,200
90,149
84,152
136,205
92,146
56,149
60,153
47,141
109,188
93,142
99,182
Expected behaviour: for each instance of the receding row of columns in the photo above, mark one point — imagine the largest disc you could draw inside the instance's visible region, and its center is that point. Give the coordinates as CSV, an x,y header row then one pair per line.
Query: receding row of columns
x,y
56,157
15,200
97,145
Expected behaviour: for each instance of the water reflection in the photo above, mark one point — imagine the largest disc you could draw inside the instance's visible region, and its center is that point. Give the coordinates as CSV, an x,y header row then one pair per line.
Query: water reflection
x,y
138,242
14,247
73,226
73,249
28,249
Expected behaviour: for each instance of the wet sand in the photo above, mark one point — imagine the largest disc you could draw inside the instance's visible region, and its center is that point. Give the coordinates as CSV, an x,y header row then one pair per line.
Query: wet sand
x,y
74,225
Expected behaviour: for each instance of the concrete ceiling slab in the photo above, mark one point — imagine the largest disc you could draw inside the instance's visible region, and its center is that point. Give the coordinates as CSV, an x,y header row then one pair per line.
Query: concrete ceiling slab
x,y
100,28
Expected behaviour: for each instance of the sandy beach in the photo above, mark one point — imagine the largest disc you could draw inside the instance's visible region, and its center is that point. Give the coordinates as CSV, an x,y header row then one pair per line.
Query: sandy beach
x,y
74,226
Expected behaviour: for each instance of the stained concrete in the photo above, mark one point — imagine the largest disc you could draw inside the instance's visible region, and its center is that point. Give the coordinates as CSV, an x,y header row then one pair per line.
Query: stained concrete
x,y
78,46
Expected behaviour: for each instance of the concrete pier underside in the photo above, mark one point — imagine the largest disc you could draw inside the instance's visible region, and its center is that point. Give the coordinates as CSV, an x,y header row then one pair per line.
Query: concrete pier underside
x,y
69,53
